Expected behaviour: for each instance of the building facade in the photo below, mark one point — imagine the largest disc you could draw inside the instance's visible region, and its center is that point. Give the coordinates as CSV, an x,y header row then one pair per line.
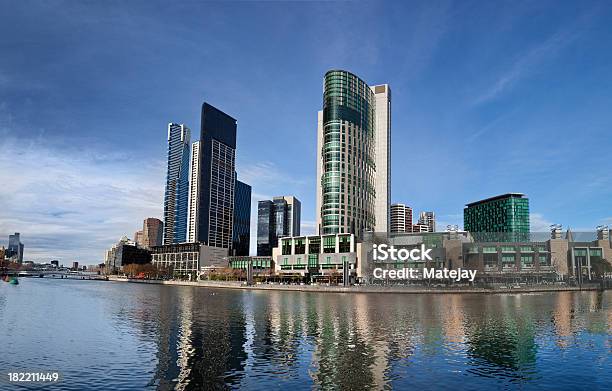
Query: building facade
x,y
320,257
139,237
242,219
152,232
276,218
382,103
400,219
354,118
177,184
194,192
214,201
428,219
265,228
508,213
125,252
15,248
188,259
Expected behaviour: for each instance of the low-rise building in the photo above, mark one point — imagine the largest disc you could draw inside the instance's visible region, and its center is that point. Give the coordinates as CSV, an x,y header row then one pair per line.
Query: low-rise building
x,y
123,253
188,259
319,257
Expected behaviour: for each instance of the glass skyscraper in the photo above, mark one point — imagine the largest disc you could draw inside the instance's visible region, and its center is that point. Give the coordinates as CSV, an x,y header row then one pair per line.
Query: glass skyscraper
x,y
213,202
15,248
507,213
353,154
242,219
176,196
276,218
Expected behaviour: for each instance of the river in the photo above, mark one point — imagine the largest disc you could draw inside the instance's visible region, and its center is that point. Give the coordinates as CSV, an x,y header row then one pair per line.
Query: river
x,y
122,336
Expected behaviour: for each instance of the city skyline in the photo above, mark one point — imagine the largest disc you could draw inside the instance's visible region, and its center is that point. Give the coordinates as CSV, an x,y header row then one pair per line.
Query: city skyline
x,y
460,156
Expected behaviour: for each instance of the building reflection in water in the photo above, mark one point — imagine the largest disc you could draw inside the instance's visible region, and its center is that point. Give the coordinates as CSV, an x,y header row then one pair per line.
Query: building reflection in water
x,y
216,339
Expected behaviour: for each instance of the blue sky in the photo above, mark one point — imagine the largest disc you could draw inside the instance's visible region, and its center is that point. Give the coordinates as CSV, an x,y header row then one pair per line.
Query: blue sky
x,y
488,98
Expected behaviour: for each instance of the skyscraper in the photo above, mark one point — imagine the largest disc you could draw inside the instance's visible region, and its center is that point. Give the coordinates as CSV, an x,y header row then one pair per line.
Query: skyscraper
x,y
382,99
504,213
15,247
152,232
265,228
428,219
242,219
214,199
401,218
194,193
277,218
177,184
353,156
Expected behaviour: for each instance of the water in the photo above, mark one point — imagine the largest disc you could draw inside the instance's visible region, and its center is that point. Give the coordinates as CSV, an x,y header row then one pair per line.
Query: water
x,y
113,335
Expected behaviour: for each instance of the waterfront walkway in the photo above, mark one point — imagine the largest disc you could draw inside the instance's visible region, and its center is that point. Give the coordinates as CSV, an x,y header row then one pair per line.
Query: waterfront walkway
x,y
361,289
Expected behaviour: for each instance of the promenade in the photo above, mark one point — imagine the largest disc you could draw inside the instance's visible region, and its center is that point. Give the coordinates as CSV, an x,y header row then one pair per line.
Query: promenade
x,y
361,289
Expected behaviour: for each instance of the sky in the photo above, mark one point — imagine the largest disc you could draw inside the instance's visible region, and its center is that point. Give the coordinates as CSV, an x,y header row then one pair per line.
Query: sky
x,y
487,98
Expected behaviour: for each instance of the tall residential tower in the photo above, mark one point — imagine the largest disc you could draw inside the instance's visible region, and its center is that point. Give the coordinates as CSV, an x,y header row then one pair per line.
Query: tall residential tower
x,y
401,218
177,184
353,156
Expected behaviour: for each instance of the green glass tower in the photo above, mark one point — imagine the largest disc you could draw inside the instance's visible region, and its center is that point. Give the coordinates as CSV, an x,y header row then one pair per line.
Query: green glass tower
x,y
347,155
508,213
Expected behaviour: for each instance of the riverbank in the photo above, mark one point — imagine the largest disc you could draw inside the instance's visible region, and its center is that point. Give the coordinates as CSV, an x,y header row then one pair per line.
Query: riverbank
x,y
359,289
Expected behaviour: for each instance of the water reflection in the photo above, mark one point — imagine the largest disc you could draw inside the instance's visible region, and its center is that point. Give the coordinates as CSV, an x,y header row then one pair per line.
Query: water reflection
x,y
195,338
215,339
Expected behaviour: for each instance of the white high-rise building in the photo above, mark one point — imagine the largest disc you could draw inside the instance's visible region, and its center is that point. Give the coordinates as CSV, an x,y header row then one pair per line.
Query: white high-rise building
x,y
382,97
401,218
194,193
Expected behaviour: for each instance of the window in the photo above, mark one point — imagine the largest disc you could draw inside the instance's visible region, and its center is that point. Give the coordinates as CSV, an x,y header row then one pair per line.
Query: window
x,y
489,250
527,261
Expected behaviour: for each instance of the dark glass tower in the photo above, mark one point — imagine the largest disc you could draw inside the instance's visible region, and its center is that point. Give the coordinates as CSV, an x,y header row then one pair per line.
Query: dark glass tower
x,y
507,213
217,177
265,228
276,218
176,196
242,219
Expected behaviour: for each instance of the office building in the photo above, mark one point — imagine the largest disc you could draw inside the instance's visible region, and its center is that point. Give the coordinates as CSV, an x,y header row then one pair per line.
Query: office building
x,y
276,218
401,218
194,193
139,237
353,156
215,169
265,228
152,232
75,265
15,248
125,252
507,213
428,219
242,219
331,258
177,185
188,259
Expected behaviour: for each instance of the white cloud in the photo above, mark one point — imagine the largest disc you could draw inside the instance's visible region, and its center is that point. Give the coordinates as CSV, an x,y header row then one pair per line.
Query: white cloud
x,y
73,204
538,223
